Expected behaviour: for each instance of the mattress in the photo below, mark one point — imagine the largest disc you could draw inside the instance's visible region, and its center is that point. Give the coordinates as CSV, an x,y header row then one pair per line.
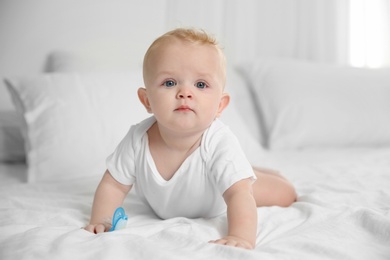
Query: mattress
x,y
342,212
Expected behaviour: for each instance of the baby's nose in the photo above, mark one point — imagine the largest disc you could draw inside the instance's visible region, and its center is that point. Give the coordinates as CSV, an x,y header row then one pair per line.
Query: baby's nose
x,y
184,92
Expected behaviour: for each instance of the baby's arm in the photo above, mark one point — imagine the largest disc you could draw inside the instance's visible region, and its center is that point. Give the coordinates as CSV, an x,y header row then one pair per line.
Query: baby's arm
x,y
242,216
109,195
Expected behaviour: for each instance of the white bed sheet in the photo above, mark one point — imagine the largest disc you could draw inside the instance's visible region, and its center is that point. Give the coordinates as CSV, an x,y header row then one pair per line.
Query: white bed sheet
x,y
343,212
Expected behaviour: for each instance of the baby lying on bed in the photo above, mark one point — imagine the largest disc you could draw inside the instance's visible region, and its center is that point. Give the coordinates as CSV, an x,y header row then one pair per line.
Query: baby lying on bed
x,y
183,160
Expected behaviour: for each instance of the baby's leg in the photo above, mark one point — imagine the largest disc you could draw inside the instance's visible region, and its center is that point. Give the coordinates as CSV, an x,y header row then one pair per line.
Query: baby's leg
x,y
272,189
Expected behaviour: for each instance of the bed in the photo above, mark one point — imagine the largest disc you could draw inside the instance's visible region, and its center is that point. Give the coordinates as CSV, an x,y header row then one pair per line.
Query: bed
x,y
324,127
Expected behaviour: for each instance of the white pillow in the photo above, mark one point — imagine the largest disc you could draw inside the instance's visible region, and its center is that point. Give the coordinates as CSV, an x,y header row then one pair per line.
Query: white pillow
x,y
97,61
239,123
306,104
244,102
75,121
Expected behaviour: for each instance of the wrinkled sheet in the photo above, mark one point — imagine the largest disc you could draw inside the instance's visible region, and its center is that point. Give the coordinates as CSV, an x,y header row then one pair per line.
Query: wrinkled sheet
x,y
343,212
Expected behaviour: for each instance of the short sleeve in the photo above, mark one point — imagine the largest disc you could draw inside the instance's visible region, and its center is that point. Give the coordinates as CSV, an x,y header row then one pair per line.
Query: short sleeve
x,y
226,160
121,163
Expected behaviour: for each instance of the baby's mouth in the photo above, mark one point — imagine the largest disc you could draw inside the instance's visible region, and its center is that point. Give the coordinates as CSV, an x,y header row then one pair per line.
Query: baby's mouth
x,y
183,108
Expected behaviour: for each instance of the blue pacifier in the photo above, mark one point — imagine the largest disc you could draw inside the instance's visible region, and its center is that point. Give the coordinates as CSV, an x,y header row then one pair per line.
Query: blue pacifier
x,y
119,220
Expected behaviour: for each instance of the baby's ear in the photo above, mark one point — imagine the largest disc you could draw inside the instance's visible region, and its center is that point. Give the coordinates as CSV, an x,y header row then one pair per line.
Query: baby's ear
x,y
225,100
143,97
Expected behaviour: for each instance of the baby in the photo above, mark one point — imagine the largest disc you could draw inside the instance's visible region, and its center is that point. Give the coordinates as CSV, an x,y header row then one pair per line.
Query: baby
x,y
183,161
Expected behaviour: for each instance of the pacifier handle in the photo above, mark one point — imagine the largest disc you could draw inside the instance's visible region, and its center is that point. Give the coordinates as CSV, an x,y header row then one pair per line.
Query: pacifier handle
x,y
119,220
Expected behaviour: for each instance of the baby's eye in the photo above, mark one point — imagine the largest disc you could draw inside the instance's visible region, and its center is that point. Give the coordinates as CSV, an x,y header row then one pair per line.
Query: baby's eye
x,y
169,83
201,85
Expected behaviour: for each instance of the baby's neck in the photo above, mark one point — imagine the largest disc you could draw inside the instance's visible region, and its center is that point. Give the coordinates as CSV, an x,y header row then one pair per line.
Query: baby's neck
x,y
178,142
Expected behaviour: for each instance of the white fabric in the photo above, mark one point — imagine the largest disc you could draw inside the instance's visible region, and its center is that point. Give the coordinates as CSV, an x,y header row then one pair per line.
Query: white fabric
x,y
307,104
369,33
342,213
74,121
242,114
310,30
196,189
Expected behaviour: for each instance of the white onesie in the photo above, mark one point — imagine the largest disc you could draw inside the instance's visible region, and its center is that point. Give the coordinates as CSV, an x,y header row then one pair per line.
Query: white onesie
x,y
196,188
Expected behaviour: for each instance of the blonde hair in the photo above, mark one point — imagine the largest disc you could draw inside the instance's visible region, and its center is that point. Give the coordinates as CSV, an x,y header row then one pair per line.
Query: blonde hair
x,y
195,36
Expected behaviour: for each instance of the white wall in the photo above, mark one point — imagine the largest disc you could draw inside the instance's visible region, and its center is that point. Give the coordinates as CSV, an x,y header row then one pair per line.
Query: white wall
x,y
30,30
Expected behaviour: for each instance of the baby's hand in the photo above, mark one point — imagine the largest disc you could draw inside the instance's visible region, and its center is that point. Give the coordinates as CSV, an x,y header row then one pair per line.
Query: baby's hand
x,y
233,241
98,228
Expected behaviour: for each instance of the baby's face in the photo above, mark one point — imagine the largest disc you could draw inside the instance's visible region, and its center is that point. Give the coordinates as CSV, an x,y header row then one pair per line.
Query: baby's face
x,y
184,85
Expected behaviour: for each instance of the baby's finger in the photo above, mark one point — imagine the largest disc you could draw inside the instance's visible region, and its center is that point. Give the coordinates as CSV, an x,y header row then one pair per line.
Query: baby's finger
x,y
218,241
100,228
90,228
231,243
